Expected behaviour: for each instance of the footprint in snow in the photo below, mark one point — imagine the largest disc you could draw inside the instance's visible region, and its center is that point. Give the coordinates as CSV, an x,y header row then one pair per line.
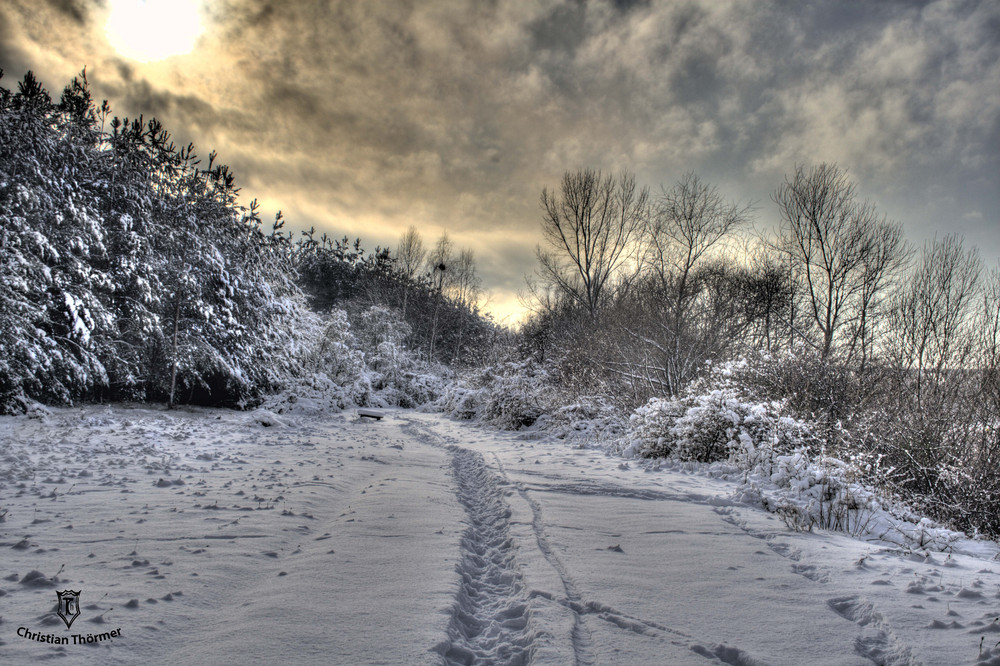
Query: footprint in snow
x,y
940,624
35,578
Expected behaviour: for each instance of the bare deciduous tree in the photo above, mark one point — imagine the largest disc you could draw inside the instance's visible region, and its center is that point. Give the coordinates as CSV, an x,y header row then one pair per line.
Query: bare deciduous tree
x,y
683,310
931,320
838,247
989,336
465,286
457,283
769,292
590,226
689,220
410,253
934,389
881,264
439,260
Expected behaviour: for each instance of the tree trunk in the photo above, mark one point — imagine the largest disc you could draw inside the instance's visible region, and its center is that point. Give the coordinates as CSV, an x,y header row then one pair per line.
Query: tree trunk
x,y
173,366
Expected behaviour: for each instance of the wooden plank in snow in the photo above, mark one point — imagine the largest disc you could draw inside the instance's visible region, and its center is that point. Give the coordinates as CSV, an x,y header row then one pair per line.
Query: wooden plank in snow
x,y
371,413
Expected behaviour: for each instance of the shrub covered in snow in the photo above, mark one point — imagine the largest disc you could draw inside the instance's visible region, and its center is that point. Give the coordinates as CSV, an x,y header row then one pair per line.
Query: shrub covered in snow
x,y
364,365
589,420
781,464
509,395
333,372
818,491
459,400
712,427
398,376
515,397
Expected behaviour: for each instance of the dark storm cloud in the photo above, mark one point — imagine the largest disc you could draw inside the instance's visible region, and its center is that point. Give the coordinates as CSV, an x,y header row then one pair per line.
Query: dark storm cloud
x,y
365,117
9,54
561,29
144,98
75,9
12,58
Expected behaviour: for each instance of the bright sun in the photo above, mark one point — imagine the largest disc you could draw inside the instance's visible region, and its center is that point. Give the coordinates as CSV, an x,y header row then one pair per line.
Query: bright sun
x,y
148,30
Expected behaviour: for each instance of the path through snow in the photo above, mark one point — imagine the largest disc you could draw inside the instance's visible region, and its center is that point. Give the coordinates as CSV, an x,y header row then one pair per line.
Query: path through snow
x,y
212,537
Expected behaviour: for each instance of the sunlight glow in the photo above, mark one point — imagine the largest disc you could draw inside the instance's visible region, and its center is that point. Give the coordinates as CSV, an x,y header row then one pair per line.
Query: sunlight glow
x,y
150,30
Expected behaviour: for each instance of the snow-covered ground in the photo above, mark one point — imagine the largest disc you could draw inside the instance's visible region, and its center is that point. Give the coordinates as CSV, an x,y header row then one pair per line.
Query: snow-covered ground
x,y
205,536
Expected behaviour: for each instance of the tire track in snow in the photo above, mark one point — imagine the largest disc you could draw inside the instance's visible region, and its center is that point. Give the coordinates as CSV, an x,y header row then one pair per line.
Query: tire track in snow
x,y
582,609
470,466
589,488
491,620
580,637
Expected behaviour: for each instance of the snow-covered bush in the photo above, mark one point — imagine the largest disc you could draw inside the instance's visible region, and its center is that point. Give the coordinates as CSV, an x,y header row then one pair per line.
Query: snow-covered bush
x,y
649,432
588,419
514,399
460,401
781,465
339,358
364,365
928,439
332,371
509,395
399,377
818,491
714,426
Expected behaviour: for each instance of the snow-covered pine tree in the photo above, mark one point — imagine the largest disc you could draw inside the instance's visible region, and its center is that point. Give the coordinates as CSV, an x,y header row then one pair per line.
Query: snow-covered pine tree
x,y
113,240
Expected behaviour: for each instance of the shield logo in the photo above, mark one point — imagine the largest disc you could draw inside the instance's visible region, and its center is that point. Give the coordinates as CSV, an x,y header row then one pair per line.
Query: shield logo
x,y
69,606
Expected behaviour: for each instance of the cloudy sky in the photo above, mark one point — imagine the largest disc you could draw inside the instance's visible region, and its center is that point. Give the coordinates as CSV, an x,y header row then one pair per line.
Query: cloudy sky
x,y
361,118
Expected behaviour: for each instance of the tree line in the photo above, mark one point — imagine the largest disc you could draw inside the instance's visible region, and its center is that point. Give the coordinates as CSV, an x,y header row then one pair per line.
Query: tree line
x,y
130,271
892,349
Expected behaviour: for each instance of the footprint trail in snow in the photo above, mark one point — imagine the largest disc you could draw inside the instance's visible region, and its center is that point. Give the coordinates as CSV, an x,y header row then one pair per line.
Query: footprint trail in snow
x,y
209,536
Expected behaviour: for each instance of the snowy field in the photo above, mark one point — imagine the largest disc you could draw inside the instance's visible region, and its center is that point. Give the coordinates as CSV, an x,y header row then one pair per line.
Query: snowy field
x,y
204,537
